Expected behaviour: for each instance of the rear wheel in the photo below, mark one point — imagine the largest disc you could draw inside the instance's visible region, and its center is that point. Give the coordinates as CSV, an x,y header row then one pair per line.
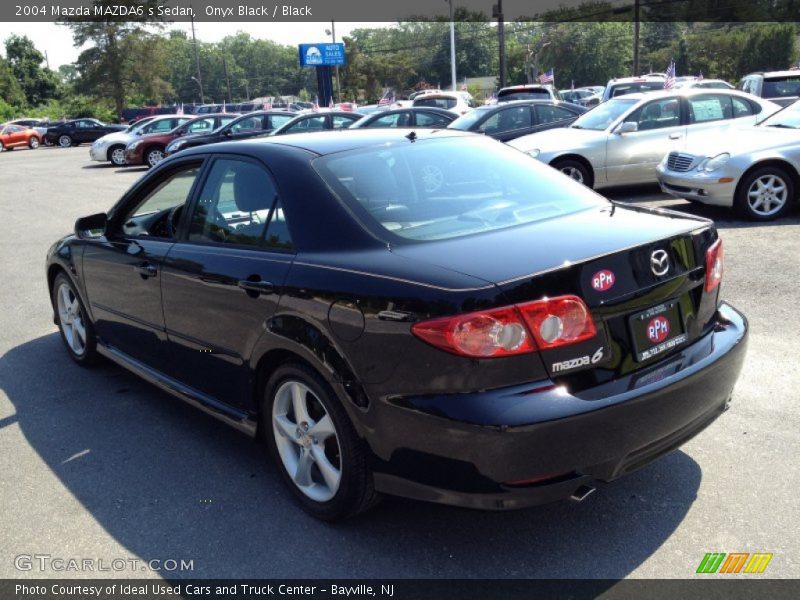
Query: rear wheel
x,y
76,329
116,155
153,156
314,444
764,194
575,170
33,143
64,141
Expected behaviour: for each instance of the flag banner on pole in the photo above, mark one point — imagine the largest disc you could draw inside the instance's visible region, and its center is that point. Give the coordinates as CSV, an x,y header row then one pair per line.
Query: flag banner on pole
x,y
547,77
669,82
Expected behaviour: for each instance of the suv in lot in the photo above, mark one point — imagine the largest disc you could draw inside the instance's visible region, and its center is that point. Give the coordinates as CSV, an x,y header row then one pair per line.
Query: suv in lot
x,y
782,87
633,85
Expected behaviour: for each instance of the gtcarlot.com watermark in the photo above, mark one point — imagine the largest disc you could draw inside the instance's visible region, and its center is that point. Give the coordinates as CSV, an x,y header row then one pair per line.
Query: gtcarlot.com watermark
x,y
47,563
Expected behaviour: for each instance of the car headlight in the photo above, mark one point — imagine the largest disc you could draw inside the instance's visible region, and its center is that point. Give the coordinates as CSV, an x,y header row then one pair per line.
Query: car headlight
x,y
175,146
712,163
534,153
134,145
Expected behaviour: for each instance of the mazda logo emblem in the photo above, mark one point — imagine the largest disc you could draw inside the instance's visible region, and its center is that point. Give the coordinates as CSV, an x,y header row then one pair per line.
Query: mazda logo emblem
x,y
659,262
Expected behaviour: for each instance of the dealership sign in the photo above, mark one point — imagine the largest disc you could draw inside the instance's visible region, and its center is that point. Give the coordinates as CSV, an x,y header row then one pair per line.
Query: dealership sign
x,y
321,55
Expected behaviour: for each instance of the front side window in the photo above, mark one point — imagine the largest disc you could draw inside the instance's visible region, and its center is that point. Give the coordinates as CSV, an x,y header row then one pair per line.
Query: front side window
x,y
278,120
508,119
604,114
343,122
657,115
202,125
401,119
449,187
149,215
248,124
316,123
234,205
160,126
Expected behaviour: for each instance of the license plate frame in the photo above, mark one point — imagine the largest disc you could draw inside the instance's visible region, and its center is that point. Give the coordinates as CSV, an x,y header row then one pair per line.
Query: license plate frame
x,y
643,347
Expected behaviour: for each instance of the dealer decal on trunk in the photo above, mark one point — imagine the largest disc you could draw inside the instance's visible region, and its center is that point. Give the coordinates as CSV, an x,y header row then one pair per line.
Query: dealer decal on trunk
x,y
603,280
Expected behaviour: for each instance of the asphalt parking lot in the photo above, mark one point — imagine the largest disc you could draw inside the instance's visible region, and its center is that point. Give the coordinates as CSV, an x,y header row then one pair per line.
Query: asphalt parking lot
x,y
98,464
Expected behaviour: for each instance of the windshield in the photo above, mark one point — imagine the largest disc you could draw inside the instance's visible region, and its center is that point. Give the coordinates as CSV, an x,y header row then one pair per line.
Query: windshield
x,y
465,122
782,87
634,87
603,114
789,117
435,189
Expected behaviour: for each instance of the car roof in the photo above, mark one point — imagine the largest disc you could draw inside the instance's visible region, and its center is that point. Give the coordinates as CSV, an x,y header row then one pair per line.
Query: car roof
x,y
531,102
678,92
786,73
341,140
456,95
640,79
524,86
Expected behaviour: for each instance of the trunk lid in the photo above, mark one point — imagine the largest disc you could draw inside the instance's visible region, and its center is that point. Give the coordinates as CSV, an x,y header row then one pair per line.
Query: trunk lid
x,y
634,268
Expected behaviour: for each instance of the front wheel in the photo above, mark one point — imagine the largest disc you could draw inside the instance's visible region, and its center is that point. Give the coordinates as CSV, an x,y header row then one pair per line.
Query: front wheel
x,y
575,170
153,157
77,331
33,143
314,444
116,156
64,141
764,194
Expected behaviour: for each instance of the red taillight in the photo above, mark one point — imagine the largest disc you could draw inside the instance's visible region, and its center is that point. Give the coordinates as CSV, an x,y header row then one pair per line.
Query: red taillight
x,y
714,265
558,321
510,330
485,334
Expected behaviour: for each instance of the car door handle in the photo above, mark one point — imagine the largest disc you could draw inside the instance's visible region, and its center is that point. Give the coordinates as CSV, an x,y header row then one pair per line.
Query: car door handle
x,y
146,270
675,136
256,287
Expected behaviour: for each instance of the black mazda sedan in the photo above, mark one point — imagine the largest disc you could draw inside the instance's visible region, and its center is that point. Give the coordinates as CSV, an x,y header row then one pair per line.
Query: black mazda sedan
x,y
430,314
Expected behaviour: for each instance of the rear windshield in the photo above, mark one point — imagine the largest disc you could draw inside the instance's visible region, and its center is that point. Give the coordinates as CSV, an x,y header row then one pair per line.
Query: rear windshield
x,y
535,94
632,88
445,103
437,189
781,87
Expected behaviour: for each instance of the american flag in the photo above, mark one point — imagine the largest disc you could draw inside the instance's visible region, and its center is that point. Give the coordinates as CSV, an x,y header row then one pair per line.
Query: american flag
x,y
387,98
669,82
180,110
547,77
700,76
315,108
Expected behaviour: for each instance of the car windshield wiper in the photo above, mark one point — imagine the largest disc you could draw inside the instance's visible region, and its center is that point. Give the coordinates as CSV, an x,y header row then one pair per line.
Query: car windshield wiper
x,y
576,126
782,125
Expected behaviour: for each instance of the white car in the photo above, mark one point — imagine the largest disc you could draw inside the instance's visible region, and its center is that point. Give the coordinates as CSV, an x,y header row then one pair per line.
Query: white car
x,y
705,84
111,147
633,85
459,103
622,141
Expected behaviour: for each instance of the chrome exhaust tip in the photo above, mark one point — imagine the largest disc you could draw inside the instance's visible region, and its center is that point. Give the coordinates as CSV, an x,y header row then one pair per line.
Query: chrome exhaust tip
x,y
582,493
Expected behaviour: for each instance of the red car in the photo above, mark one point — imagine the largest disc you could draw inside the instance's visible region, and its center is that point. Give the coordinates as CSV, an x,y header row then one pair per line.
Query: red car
x,y
148,149
14,136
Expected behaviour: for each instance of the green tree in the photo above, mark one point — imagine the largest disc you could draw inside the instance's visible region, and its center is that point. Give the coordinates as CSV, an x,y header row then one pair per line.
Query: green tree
x,y
37,82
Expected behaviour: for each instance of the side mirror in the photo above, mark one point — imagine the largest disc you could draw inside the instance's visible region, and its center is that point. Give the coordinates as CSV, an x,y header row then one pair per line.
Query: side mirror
x,y
628,127
93,226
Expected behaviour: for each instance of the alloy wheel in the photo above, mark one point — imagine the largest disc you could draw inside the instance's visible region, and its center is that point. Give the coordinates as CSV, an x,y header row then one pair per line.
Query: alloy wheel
x,y
767,195
70,317
307,441
65,141
118,156
33,143
154,157
573,173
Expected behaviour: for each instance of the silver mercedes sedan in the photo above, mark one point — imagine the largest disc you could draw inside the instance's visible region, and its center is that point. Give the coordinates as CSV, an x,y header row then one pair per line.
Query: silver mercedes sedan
x,y
755,170
622,141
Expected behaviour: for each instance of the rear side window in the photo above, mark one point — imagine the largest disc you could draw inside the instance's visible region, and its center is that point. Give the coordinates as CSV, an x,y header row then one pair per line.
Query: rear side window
x,y
234,204
550,114
429,119
743,108
703,109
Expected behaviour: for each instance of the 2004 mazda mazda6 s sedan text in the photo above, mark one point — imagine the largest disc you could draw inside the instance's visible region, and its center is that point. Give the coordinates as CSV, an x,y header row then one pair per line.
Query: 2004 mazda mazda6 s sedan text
x,y
430,314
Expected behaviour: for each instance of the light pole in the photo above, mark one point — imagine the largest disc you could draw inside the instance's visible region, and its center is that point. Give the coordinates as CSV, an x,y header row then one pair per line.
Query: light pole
x,y
200,85
452,47
199,78
332,32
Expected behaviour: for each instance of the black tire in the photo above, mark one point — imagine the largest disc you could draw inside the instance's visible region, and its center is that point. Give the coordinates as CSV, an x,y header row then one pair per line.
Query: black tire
x,y
65,141
748,207
88,356
575,170
355,492
114,156
33,143
153,156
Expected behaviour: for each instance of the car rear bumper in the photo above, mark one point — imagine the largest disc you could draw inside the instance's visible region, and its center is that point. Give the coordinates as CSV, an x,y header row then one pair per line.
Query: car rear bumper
x,y
703,188
527,445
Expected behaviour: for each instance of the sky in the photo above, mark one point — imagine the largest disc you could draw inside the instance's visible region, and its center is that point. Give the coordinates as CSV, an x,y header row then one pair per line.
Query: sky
x,y
56,40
